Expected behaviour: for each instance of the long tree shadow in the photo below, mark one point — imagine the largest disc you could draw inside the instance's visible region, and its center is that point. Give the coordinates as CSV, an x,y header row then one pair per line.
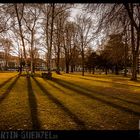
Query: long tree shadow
x,y
33,106
111,77
55,86
5,94
5,82
80,123
116,84
81,92
99,93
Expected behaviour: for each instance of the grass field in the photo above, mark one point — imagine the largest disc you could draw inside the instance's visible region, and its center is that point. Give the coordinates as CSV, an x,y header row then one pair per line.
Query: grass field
x,y
69,102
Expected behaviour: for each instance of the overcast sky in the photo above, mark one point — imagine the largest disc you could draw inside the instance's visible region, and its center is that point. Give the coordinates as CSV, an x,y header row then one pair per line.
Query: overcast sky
x,y
75,11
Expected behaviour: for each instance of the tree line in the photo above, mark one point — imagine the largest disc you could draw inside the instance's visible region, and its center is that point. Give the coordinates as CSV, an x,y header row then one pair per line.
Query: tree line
x,y
46,28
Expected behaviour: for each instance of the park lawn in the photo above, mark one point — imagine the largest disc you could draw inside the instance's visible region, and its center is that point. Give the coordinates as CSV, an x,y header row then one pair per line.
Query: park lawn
x,y
69,102
5,76
15,113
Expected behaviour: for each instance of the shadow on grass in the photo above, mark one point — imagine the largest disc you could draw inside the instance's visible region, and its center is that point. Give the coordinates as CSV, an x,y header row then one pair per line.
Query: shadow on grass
x,y
104,94
33,106
5,82
93,96
95,91
54,86
5,94
115,84
80,123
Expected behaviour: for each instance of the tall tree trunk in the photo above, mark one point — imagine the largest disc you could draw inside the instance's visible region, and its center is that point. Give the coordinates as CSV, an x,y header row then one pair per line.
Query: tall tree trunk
x,y
83,69
125,61
21,35
137,49
116,70
32,59
47,37
106,70
125,54
134,55
32,66
83,58
51,39
58,61
138,64
67,67
67,60
134,66
93,70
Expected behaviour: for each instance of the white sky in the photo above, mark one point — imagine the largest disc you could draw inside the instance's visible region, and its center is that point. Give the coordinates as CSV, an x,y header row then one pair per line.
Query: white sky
x,y
75,11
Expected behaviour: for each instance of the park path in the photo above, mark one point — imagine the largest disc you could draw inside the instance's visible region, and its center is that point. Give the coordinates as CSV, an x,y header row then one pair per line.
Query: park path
x,y
66,104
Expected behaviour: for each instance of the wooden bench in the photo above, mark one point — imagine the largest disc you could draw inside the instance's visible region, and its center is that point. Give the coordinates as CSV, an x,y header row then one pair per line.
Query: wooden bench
x,y
47,75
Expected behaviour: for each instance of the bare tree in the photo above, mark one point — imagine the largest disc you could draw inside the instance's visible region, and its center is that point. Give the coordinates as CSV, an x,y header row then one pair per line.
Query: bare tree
x,y
19,13
31,18
133,11
52,13
110,15
58,37
70,45
5,19
84,26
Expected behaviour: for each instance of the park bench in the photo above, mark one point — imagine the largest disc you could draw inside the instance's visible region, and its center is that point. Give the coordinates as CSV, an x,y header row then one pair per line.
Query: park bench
x,y
47,75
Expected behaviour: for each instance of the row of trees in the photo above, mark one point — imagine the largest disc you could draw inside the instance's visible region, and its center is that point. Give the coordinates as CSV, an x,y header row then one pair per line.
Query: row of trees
x,y
121,18
47,28
113,56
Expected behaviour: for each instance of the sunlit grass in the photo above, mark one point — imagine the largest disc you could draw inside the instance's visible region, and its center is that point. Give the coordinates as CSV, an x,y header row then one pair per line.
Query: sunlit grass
x,y
6,76
69,101
15,112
